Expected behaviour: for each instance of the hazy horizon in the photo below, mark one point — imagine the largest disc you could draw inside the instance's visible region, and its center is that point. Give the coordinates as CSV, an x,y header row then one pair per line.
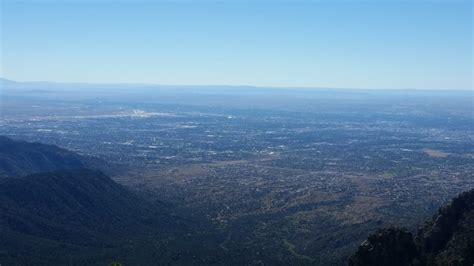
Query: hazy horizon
x,y
337,44
310,88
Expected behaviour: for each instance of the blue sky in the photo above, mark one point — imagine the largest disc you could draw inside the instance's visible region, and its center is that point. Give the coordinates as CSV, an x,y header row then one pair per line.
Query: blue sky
x,y
348,44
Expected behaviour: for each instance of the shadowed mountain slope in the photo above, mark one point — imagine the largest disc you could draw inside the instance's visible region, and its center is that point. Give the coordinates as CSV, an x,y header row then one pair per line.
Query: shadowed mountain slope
x,y
72,211
20,158
70,205
64,214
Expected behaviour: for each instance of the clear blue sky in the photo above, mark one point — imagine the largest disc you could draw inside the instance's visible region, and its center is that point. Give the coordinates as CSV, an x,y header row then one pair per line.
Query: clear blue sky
x,y
350,44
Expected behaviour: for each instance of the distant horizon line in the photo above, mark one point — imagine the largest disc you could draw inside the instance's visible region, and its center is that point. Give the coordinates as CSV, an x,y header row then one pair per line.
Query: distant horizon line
x,y
149,84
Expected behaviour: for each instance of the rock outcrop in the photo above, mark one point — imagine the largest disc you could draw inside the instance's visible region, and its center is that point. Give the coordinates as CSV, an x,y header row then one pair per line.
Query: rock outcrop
x,y
448,239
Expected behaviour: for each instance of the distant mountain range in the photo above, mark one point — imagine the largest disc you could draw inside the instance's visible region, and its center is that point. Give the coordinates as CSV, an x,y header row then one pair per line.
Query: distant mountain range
x,y
447,239
40,85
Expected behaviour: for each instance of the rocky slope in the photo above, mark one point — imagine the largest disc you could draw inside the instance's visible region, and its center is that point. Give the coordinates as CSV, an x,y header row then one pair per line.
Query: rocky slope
x,y
448,239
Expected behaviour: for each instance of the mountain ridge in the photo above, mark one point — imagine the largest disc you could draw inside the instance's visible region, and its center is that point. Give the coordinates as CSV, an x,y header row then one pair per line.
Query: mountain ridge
x,y
20,158
446,239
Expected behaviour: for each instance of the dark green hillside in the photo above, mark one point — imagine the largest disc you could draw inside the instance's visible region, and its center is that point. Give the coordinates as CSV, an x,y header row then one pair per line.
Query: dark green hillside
x,y
74,215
